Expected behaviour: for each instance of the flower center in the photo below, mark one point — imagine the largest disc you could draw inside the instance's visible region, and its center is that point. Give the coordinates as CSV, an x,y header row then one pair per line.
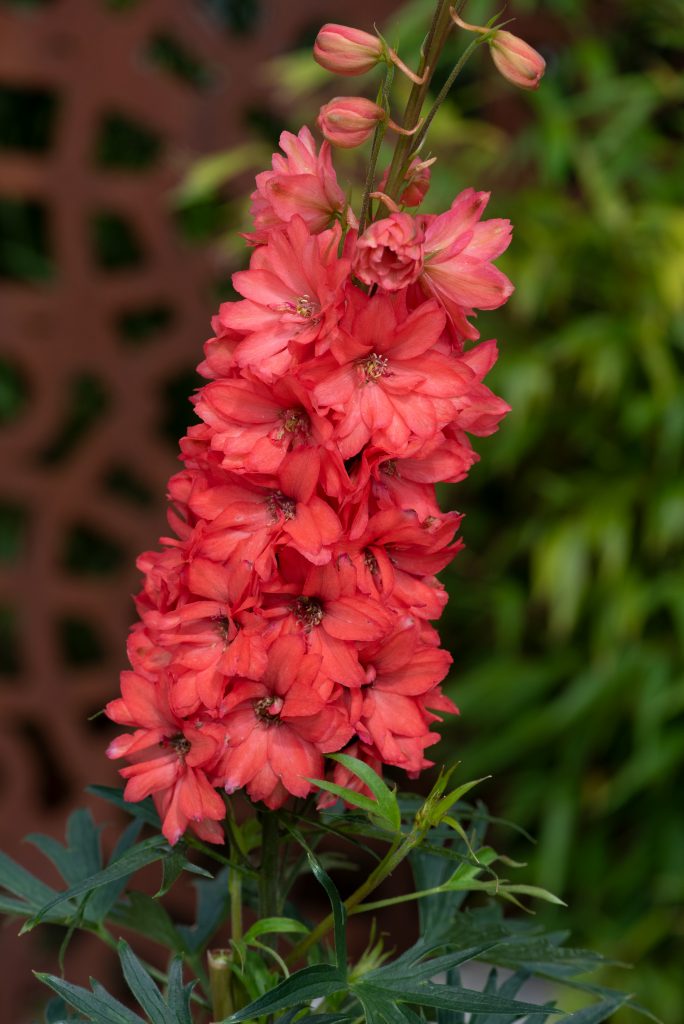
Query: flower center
x,y
389,467
303,306
371,563
268,709
279,505
295,421
309,612
374,367
179,743
222,625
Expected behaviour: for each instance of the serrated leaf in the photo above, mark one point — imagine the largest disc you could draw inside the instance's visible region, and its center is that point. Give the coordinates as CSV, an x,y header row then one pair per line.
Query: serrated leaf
x,y
139,856
339,913
315,982
98,1006
142,986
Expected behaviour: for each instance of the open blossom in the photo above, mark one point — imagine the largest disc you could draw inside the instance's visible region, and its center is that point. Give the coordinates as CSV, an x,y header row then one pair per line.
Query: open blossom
x,y
301,184
289,613
458,268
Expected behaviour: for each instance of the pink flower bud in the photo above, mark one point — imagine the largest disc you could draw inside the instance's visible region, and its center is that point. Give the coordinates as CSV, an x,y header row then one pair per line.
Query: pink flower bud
x,y
517,60
346,51
416,182
347,121
390,252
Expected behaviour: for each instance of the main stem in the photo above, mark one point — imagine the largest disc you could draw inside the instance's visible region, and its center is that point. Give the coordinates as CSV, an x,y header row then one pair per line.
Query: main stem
x,y
269,889
434,44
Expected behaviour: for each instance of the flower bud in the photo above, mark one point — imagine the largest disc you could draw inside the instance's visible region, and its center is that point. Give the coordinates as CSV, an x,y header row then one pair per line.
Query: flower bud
x,y
347,121
416,182
517,60
347,51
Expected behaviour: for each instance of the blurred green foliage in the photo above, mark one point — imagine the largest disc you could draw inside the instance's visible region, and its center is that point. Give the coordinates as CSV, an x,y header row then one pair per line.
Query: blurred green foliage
x,y
566,616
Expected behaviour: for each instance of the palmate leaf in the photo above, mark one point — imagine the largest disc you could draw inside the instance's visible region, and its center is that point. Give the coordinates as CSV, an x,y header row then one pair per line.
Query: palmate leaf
x,y
102,1008
212,902
447,997
81,856
142,986
315,982
131,861
28,892
98,1006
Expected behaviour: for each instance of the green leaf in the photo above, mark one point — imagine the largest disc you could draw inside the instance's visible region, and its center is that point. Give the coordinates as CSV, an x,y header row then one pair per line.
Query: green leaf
x,y
139,856
20,882
178,995
142,986
387,804
212,902
145,915
145,809
81,856
339,913
427,968
599,1011
273,925
104,898
98,1006
463,999
315,982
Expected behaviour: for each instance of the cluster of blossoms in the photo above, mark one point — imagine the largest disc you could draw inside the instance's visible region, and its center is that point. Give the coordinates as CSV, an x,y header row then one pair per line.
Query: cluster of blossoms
x,y
290,614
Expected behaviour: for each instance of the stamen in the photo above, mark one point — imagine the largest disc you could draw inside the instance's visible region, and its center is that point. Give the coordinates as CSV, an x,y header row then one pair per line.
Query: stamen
x,y
371,563
268,709
279,505
374,367
179,743
295,421
309,612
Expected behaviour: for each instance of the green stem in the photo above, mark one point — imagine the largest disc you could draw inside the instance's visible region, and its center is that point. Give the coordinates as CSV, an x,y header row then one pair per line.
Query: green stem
x,y
235,893
220,978
436,38
443,93
394,856
378,136
269,889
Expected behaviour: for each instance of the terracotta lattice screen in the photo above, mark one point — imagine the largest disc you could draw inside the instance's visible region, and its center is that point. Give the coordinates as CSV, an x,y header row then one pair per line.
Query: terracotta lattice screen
x,y
104,304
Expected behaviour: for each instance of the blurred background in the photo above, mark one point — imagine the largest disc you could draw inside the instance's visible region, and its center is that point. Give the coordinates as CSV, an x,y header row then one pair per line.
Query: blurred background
x,y
129,132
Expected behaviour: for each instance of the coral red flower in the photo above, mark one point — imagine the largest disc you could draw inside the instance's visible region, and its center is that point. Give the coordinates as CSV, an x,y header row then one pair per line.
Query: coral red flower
x,y
301,184
289,612
459,248
170,758
278,731
293,296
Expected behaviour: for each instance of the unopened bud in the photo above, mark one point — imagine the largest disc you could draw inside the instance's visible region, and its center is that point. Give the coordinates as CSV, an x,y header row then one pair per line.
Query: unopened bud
x,y
347,51
517,60
347,121
416,182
